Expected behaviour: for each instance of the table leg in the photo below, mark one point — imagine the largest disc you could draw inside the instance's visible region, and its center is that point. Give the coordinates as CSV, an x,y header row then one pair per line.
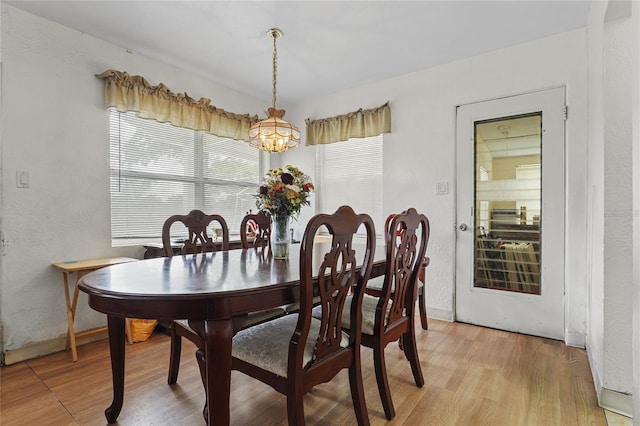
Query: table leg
x,y
76,292
71,334
116,347
217,345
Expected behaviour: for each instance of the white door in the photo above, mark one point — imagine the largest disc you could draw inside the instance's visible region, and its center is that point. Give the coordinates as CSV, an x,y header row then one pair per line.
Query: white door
x,y
510,213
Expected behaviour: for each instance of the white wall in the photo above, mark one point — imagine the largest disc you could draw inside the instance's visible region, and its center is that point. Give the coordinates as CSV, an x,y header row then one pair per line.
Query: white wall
x,y
635,102
419,152
610,330
618,203
55,126
595,229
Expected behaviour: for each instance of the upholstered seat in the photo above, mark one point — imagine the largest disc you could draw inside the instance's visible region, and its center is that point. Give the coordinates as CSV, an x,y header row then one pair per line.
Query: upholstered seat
x,y
266,345
377,282
374,286
369,304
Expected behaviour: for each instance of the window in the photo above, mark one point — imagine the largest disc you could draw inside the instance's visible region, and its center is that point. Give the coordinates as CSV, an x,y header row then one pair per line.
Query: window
x,y
158,170
350,173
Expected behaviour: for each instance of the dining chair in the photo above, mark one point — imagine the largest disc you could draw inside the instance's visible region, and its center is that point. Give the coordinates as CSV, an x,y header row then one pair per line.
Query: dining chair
x,y
196,223
194,237
296,352
255,231
374,287
390,316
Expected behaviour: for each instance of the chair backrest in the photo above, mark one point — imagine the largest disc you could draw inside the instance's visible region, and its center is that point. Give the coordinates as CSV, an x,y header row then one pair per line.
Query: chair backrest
x,y
406,239
335,265
198,240
259,225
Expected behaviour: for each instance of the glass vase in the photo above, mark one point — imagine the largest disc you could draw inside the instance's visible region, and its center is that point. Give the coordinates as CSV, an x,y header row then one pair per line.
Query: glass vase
x,y
279,239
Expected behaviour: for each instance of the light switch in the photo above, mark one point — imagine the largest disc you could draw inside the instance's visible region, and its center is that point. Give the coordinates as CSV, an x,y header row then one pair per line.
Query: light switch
x,y
22,179
442,188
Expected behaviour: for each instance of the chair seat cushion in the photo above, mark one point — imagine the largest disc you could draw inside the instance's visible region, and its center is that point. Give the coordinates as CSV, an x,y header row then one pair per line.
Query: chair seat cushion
x,y
377,282
266,345
369,304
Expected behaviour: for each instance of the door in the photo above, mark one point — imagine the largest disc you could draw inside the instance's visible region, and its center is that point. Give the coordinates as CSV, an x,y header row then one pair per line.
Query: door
x,y
510,213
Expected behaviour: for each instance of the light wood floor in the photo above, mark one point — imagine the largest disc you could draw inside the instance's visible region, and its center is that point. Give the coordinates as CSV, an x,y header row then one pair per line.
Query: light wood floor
x,y
474,376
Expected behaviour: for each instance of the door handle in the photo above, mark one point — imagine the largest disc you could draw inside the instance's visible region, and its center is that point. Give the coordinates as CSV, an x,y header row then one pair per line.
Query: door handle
x,y
463,227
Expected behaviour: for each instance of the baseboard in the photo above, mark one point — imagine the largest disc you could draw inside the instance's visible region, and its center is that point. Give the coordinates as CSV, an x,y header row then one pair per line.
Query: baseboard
x,y
617,402
577,340
440,314
614,401
46,347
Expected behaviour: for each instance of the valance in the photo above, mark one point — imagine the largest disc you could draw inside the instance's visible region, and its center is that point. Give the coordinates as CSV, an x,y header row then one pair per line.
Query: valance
x,y
134,93
356,124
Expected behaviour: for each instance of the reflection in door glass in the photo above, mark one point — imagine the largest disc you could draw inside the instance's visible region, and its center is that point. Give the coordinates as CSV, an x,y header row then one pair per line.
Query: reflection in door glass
x,y
507,203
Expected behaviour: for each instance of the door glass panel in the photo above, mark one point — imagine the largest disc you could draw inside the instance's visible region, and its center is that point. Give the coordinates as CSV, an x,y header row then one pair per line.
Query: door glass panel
x,y
507,203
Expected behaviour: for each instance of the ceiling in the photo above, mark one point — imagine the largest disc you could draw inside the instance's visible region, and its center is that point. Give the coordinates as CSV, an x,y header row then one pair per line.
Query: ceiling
x,y
328,46
510,137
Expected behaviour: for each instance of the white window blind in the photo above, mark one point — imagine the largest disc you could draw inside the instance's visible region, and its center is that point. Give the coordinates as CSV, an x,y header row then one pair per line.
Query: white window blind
x,y
350,173
158,170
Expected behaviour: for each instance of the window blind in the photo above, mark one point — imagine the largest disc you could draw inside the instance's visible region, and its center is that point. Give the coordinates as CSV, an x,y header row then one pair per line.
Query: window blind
x,y
350,173
158,170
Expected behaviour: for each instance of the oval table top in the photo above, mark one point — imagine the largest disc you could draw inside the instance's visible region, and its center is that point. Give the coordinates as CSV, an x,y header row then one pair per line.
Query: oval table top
x,y
199,275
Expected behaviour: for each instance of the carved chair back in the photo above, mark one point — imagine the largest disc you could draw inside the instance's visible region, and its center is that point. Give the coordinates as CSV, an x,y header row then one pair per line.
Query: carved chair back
x,y
335,266
406,239
255,231
198,239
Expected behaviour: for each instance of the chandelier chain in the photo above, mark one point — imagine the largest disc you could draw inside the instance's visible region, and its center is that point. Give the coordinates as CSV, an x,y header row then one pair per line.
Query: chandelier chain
x,y
275,70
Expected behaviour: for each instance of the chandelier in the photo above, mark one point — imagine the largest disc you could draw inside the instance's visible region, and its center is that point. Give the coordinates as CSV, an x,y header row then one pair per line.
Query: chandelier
x,y
273,134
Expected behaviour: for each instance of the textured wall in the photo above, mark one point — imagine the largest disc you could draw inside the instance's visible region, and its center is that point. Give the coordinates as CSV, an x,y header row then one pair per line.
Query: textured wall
x,y
420,150
635,101
55,126
618,205
51,69
595,228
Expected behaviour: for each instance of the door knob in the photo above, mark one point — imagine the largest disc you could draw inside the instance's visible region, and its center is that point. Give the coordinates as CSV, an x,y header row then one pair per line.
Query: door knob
x,y
463,226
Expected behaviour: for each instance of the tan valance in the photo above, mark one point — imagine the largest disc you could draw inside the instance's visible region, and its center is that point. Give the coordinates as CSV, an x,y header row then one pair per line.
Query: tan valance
x,y
134,93
357,124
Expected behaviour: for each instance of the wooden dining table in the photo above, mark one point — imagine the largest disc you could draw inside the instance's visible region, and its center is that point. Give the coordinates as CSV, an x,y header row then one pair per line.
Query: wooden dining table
x,y
213,291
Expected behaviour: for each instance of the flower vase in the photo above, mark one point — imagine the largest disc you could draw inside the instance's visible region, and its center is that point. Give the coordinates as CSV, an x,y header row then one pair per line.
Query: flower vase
x,y
279,240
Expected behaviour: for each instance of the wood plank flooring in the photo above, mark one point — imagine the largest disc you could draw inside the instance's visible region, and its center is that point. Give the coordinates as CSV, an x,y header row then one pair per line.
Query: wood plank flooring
x,y
474,376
